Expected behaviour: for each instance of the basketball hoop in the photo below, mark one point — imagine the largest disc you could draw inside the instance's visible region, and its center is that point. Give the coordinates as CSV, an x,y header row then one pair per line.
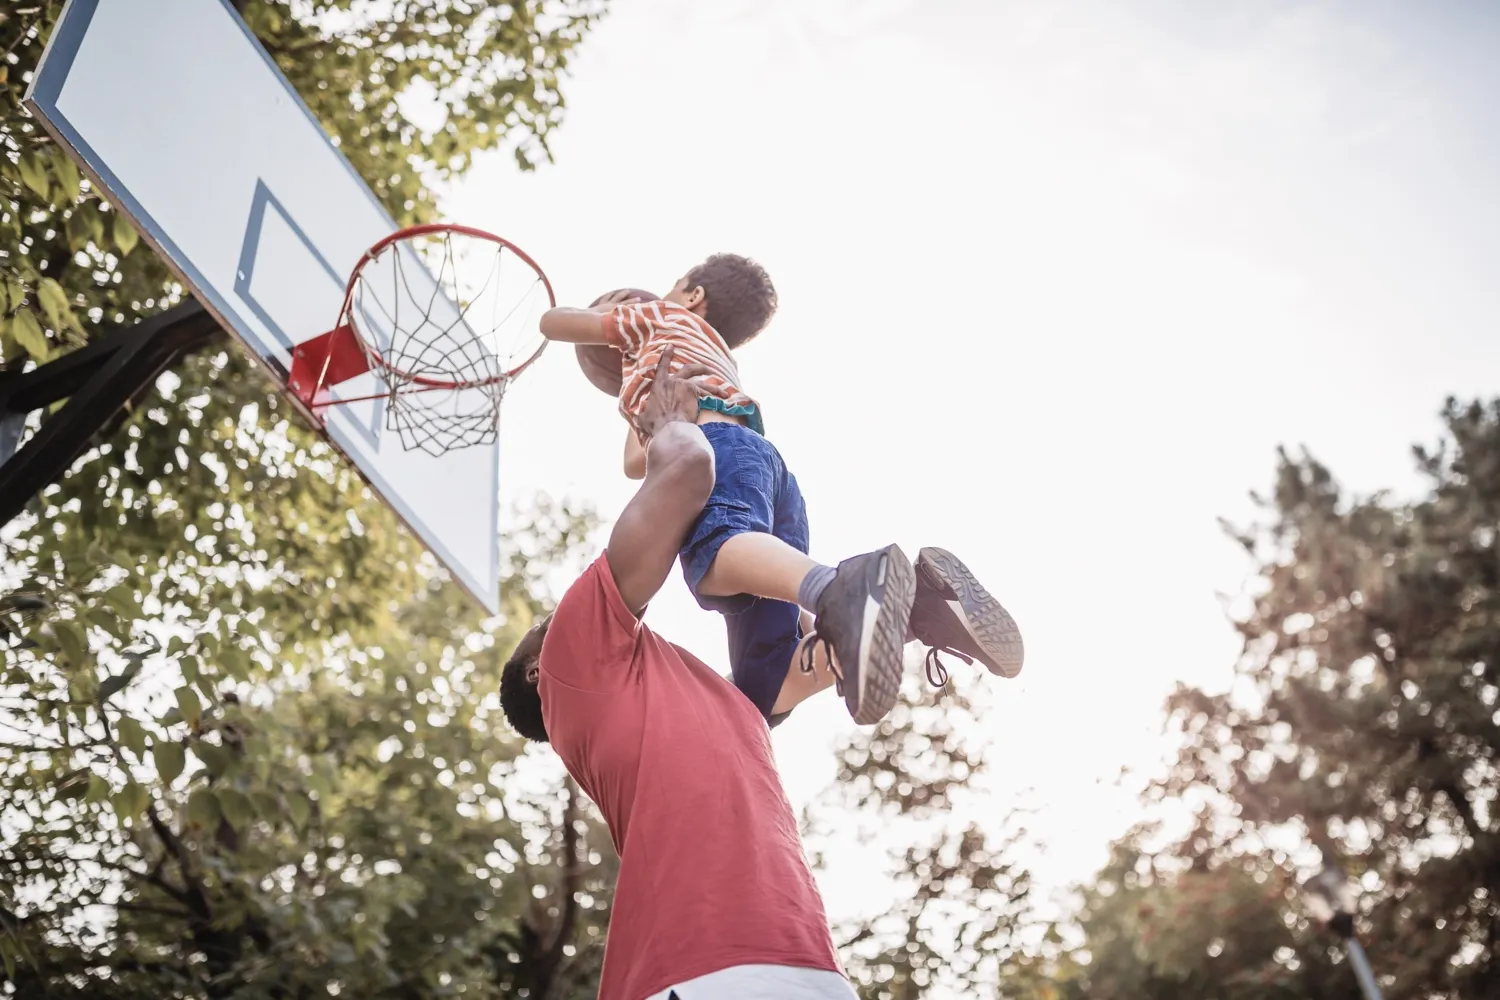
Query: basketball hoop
x,y
444,316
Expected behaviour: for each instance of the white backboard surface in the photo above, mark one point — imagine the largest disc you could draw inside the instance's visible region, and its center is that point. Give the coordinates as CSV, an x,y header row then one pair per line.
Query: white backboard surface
x,y
186,126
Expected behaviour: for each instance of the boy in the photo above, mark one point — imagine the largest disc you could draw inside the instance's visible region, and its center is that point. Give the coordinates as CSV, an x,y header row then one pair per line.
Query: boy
x,y
746,557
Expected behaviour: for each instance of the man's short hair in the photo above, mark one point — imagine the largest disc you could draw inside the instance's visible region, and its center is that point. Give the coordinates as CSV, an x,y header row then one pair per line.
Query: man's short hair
x,y
519,699
741,298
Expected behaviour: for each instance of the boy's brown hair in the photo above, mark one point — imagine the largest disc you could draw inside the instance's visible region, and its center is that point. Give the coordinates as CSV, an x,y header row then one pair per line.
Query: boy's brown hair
x,y
741,298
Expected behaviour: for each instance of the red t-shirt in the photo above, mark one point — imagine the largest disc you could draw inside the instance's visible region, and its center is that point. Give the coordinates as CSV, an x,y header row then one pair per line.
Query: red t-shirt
x,y
712,872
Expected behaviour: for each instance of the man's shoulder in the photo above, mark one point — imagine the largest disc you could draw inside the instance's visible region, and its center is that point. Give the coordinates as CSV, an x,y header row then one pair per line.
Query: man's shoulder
x,y
595,591
593,635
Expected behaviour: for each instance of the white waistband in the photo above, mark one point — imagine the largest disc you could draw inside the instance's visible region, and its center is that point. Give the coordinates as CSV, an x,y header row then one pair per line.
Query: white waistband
x,y
763,982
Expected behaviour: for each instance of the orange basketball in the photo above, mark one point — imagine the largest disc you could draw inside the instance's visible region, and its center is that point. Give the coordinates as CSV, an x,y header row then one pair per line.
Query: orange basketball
x,y
602,364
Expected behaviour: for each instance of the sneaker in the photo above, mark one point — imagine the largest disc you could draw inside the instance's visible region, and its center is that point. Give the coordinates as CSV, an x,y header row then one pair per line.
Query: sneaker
x,y
862,618
952,613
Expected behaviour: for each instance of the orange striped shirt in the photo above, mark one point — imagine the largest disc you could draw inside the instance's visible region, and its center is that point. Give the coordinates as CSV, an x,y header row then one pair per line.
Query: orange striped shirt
x,y
642,330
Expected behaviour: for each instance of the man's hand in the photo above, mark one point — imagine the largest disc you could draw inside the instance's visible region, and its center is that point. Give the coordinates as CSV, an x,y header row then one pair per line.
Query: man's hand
x,y
673,398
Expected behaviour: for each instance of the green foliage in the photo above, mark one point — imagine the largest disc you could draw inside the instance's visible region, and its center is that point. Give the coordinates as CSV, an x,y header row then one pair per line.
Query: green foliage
x,y
1157,926
252,746
298,775
491,72
1362,726
409,91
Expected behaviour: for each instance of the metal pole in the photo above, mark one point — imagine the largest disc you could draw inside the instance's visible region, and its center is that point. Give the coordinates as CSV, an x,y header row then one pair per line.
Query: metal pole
x,y
11,427
1362,970
98,380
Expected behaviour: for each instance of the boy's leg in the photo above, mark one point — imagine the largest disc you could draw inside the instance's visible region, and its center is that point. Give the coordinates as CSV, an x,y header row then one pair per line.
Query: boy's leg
x,y
766,642
731,558
747,476
769,662
760,564
808,672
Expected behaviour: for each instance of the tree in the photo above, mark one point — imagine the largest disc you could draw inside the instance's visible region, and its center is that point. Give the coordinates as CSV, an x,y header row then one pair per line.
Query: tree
x,y
1362,727
959,893
1155,925
495,69
251,746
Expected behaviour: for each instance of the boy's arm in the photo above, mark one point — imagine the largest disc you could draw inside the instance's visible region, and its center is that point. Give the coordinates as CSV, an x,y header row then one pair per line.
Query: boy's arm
x,y
592,325
574,326
635,454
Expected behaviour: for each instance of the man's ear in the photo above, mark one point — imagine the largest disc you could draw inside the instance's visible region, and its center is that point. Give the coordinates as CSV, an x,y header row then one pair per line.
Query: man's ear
x,y
697,300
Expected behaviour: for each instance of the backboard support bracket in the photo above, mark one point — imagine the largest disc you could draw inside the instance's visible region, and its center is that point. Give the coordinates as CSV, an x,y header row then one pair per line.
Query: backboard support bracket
x,y
114,370
323,362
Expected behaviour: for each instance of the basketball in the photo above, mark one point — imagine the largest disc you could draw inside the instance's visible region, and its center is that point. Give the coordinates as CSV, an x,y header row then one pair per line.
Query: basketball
x,y
601,364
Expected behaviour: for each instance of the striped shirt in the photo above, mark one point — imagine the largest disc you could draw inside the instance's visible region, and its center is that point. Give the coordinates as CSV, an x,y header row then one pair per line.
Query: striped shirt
x,y
642,330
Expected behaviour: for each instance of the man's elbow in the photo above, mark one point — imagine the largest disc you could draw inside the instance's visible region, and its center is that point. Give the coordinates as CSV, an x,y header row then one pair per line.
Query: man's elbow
x,y
681,453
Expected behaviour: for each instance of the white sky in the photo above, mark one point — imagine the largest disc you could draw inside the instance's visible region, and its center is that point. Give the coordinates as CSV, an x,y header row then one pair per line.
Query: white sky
x,y
1056,279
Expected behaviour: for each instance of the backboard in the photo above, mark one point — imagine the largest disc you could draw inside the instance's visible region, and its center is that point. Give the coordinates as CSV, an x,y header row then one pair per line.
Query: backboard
x,y
185,125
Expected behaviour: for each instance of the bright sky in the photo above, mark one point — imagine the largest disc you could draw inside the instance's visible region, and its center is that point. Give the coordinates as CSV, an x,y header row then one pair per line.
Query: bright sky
x,y
1055,281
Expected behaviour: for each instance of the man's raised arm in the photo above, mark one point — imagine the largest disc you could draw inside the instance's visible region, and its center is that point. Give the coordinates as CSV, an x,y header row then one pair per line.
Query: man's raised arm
x,y
679,478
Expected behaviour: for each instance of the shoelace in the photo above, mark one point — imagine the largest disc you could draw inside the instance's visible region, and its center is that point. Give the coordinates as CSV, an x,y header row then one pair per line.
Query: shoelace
x,y
936,670
810,643
932,665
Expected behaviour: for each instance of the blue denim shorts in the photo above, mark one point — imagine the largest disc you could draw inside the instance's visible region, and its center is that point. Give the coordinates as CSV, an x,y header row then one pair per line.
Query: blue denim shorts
x,y
753,491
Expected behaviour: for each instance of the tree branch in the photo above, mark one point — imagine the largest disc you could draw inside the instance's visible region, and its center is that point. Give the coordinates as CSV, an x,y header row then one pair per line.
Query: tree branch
x,y
550,959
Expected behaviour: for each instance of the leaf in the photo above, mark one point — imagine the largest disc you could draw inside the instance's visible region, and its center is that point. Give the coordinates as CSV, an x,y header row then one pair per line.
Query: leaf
x,y
33,175
132,736
235,663
66,172
203,808
123,601
125,235
130,801
72,641
189,705
170,760
27,332
98,789
236,807
55,304
77,230
189,666
73,786
113,685
206,686
215,758
300,808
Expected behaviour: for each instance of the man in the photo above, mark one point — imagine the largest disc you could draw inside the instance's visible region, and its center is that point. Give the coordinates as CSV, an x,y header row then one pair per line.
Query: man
x,y
715,900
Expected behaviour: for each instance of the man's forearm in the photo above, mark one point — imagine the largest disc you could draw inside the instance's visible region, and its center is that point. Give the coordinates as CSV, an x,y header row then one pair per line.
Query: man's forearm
x,y
643,545
635,455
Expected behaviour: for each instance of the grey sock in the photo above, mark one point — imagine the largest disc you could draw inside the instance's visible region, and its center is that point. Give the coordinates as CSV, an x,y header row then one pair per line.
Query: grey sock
x,y
812,587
